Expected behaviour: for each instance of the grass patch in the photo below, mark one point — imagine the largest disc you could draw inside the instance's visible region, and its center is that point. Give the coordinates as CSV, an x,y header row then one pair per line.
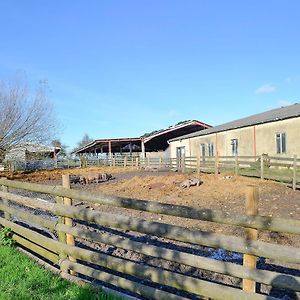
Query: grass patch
x,y
22,278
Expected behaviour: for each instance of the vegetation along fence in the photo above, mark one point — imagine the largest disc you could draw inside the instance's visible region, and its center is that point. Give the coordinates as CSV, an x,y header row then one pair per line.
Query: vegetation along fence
x,y
50,222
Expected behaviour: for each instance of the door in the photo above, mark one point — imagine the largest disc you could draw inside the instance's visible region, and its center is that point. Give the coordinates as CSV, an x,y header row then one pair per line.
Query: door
x,y
180,155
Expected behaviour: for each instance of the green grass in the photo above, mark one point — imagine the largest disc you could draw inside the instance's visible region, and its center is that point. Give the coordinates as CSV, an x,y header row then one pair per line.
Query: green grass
x,y
22,278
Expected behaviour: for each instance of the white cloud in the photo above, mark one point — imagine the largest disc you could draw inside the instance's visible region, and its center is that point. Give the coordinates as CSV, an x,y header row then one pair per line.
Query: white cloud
x,y
265,89
284,103
292,79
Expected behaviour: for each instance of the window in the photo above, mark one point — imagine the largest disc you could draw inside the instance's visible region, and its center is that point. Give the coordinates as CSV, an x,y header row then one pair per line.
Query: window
x,y
234,146
281,142
203,151
210,149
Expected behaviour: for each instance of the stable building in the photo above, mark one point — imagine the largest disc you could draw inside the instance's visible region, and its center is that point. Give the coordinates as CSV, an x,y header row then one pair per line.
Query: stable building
x,y
275,132
153,144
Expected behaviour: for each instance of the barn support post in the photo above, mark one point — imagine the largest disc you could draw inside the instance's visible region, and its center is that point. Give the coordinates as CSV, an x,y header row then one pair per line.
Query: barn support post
x,y
251,234
143,148
109,151
295,172
68,221
262,166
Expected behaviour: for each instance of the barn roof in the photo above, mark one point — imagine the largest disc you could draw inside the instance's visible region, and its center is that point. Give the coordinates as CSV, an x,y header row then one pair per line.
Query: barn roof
x,y
154,141
273,115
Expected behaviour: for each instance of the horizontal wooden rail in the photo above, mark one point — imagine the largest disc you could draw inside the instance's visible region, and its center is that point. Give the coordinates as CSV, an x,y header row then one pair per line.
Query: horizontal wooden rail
x,y
231,269
28,217
231,243
257,222
54,258
160,276
141,289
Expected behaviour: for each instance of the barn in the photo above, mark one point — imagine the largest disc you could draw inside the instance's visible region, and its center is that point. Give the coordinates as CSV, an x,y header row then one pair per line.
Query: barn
x,y
153,144
274,132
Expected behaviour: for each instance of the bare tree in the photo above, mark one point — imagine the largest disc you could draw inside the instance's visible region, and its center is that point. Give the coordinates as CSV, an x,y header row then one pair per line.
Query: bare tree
x,y
86,139
24,117
59,144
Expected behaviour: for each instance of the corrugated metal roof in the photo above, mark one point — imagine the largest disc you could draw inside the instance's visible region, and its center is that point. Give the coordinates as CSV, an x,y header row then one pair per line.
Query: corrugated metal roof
x,y
276,114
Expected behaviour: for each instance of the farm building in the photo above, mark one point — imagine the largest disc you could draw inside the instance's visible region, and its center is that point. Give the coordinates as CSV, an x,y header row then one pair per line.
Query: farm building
x,y
153,144
274,132
31,151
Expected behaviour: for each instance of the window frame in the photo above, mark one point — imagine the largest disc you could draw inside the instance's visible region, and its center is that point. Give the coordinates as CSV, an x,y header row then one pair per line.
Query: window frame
x,y
280,139
210,149
234,147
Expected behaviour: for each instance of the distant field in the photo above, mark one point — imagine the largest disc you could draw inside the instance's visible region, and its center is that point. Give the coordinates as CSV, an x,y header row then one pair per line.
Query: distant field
x,y
22,278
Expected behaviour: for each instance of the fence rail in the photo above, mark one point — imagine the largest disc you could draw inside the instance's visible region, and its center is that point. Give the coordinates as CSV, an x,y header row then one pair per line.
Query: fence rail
x,y
57,242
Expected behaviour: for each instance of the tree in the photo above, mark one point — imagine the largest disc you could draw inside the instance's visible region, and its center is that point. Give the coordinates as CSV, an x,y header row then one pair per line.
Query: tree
x,y
25,117
63,148
84,141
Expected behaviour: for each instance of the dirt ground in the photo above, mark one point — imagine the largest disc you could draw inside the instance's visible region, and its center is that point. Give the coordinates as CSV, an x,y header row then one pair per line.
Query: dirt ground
x,y
222,192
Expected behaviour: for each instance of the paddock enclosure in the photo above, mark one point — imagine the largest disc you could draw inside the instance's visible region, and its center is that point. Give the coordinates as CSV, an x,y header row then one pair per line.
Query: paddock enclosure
x,y
68,230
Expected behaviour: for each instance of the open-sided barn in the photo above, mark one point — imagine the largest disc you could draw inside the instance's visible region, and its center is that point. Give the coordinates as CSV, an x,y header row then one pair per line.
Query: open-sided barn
x,y
153,144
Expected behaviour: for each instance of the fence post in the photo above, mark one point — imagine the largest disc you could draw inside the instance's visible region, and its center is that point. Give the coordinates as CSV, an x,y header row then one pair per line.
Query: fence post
x,y
114,161
295,172
5,202
148,162
125,161
236,166
251,234
160,162
183,164
131,161
137,162
68,221
217,164
262,166
198,164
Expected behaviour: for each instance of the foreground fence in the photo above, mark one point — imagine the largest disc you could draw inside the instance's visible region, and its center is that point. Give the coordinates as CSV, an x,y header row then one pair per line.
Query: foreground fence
x,y
67,225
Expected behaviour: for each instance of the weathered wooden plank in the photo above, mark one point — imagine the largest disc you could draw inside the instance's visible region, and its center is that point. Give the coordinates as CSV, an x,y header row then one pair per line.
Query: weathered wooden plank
x,y
175,280
141,289
231,269
36,249
258,222
28,217
231,243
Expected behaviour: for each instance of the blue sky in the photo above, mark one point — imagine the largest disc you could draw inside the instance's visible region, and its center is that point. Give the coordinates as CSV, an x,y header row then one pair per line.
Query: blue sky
x,y
123,68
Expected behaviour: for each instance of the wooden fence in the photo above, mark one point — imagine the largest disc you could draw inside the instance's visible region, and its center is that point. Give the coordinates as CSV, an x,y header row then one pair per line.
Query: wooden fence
x,y
30,217
284,169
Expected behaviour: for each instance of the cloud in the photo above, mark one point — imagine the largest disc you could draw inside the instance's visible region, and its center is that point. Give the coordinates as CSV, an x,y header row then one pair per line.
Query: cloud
x,y
265,89
284,103
292,79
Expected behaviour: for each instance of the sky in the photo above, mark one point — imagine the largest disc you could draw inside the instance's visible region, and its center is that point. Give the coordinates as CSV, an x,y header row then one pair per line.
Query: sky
x,y
124,68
